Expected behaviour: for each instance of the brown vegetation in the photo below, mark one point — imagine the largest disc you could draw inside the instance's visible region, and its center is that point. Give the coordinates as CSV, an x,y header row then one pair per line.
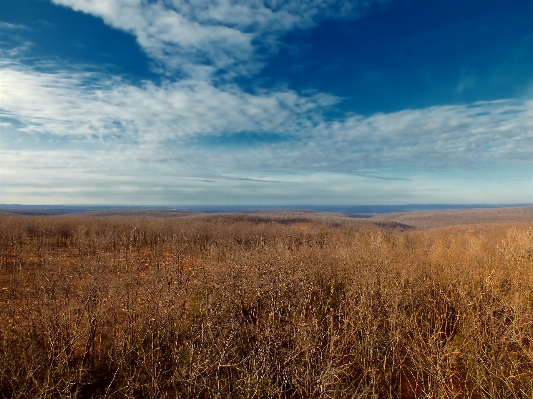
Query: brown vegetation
x,y
461,217
252,307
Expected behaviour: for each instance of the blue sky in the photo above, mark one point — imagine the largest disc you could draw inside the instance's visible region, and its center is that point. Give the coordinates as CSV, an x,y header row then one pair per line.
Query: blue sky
x,y
169,102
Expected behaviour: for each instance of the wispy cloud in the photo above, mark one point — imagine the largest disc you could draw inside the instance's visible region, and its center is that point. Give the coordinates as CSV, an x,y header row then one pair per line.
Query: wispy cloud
x,y
86,105
124,177
166,119
202,37
124,142
13,27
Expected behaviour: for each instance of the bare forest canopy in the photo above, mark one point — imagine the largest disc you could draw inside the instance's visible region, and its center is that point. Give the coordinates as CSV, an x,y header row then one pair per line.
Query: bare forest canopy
x,y
266,305
408,216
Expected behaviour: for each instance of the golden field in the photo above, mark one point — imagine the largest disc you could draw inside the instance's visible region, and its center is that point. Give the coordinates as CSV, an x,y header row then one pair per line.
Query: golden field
x,y
263,306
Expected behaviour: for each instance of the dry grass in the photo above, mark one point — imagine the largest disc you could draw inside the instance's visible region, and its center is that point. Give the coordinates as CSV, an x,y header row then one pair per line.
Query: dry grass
x,y
252,307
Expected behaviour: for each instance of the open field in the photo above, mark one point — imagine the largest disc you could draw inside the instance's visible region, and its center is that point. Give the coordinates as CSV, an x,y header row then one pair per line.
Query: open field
x,y
287,305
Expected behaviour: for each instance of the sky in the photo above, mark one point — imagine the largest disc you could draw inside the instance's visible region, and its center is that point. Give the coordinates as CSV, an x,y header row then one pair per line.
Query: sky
x,y
275,102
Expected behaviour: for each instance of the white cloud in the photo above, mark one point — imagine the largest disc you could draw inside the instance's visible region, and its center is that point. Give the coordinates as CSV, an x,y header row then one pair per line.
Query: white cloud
x,y
123,177
142,143
216,34
136,144
66,104
168,118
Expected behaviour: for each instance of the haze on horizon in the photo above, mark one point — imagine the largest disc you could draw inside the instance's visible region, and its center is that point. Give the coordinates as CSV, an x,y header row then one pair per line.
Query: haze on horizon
x,y
168,102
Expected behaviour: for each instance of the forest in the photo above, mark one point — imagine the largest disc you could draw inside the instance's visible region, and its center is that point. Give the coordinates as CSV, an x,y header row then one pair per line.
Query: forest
x,y
291,305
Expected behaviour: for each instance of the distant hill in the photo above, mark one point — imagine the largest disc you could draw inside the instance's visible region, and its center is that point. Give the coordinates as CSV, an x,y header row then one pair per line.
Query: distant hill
x,y
459,217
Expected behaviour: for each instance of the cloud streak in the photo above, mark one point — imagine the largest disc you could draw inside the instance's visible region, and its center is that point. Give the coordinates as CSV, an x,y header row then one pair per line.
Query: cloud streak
x,y
12,27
